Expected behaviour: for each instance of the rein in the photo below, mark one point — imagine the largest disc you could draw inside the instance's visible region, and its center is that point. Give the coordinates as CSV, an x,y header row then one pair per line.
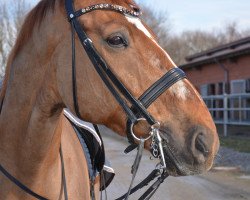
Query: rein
x,y
29,191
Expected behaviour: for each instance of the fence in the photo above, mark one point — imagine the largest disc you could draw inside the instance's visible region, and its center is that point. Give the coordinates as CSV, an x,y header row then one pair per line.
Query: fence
x,y
229,109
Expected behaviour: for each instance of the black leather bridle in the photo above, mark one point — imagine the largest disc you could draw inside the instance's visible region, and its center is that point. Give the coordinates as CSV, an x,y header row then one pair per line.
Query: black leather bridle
x,y
138,111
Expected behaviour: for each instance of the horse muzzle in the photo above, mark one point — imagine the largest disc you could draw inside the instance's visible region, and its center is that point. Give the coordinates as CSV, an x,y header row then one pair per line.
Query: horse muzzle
x,y
191,155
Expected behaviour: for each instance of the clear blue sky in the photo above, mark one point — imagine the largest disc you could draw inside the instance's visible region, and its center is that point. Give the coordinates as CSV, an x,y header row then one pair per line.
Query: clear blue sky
x,y
200,14
204,15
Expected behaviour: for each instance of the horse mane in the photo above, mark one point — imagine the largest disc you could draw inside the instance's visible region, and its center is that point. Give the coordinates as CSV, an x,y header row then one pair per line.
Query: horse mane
x,y
34,18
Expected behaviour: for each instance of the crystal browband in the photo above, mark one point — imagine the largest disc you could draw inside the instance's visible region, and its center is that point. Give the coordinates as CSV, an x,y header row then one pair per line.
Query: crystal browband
x,y
105,6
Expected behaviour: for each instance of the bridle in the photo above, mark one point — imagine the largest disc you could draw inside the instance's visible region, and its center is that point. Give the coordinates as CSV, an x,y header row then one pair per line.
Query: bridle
x,y
138,112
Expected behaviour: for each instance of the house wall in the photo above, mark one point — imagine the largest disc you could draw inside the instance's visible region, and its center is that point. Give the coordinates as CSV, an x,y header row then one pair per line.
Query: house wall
x,y
212,73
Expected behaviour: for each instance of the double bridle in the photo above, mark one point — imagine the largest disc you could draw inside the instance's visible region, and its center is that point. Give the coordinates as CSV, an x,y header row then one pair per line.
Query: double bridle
x,y
135,113
138,111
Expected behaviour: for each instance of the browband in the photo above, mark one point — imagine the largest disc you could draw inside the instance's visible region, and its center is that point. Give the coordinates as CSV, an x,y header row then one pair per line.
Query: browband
x,y
105,6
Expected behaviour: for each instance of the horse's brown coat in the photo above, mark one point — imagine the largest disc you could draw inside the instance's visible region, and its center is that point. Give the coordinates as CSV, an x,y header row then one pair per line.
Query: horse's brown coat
x,y
38,84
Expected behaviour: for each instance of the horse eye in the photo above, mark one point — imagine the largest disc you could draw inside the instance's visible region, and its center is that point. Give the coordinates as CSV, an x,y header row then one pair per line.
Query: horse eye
x,y
117,41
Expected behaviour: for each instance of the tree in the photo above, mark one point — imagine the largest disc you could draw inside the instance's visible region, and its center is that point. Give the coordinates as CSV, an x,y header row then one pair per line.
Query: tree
x,y
230,33
11,19
159,23
189,42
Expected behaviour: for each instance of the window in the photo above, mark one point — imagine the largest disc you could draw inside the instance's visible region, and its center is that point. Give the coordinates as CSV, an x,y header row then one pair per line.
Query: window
x,y
211,89
238,86
204,90
219,88
248,85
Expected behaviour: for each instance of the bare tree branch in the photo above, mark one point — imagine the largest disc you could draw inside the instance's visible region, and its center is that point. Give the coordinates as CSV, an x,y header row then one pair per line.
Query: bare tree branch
x,y
11,19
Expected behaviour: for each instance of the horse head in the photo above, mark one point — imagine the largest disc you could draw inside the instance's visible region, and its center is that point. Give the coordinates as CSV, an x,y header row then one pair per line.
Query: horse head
x,y
130,48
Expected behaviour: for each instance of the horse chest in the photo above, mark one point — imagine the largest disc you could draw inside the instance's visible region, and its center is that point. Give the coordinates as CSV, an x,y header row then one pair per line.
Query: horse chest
x,y
76,170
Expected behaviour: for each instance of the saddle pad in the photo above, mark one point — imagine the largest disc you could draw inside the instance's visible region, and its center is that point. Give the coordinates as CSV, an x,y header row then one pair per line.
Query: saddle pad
x,y
93,148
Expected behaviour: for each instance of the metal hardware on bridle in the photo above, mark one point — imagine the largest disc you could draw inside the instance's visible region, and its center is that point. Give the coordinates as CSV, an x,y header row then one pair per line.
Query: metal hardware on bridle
x,y
133,134
158,143
154,147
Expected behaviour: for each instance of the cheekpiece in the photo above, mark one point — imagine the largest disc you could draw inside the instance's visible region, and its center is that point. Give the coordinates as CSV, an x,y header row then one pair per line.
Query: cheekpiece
x,y
111,7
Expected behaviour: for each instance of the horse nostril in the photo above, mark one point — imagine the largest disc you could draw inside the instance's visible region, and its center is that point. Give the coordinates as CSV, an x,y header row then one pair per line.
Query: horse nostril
x,y
200,144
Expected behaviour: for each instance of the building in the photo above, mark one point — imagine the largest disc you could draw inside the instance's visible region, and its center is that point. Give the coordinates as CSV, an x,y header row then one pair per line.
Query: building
x,y
222,76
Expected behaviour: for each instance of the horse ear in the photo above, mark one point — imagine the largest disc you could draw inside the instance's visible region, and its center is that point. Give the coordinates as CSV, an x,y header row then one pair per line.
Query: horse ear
x,y
133,5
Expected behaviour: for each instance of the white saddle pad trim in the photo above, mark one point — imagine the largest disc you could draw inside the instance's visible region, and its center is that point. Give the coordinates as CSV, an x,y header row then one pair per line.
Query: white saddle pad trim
x,y
80,123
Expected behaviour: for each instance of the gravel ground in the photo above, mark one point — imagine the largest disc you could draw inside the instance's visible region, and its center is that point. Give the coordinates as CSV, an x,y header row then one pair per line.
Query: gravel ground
x,y
226,157
214,185
230,158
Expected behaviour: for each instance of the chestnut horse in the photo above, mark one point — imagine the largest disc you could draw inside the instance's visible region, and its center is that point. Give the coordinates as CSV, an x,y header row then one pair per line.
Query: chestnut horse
x,y
38,86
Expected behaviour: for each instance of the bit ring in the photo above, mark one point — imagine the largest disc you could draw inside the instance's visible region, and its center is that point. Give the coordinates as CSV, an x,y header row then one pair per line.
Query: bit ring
x,y
133,134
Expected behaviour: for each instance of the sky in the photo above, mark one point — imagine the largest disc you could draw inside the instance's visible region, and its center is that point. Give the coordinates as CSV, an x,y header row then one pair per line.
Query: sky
x,y
199,14
203,15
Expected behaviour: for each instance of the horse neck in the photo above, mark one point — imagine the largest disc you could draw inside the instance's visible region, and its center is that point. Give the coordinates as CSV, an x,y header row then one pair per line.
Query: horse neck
x,y
31,113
